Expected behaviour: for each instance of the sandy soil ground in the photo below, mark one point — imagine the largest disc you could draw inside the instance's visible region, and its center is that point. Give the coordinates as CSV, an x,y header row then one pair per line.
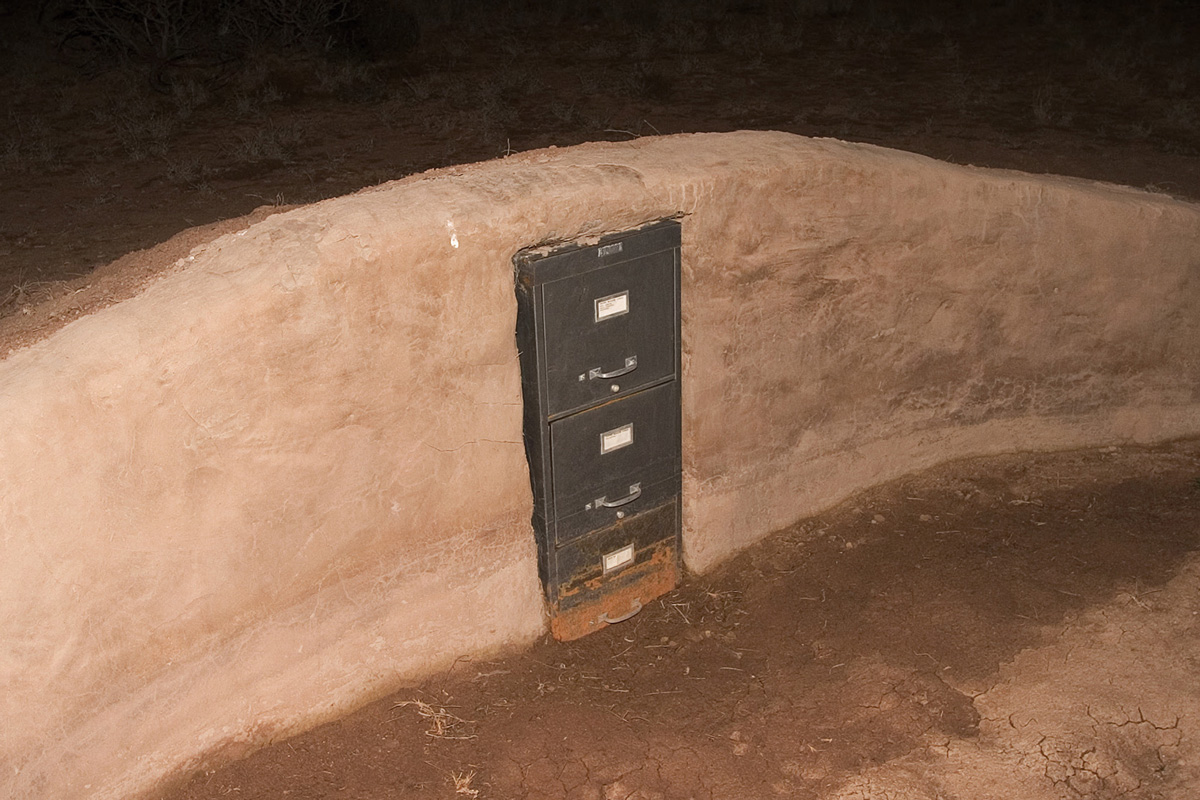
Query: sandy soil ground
x,y
1025,626
1018,627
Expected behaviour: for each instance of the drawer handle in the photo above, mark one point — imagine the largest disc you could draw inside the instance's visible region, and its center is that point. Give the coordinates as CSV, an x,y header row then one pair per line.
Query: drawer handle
x,y
630,366
635,491
605,618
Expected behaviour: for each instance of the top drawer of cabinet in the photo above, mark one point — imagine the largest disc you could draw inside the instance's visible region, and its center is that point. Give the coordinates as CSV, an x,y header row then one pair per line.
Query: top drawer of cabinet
x,y
606,317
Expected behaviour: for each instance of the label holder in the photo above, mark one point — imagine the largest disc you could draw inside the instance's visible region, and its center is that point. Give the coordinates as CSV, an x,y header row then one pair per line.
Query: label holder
x,y
611,306
618,559
616,439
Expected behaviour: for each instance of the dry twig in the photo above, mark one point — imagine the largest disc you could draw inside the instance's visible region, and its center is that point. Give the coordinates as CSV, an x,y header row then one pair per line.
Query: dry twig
x,y
443,724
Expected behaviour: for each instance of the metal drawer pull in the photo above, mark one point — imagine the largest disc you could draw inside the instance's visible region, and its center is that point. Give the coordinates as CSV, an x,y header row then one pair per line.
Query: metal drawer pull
x,y
637,606
635,491
630,366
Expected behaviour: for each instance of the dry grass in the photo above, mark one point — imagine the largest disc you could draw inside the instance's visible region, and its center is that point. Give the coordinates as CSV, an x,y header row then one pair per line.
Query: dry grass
x,y
24,292
442,724
462,783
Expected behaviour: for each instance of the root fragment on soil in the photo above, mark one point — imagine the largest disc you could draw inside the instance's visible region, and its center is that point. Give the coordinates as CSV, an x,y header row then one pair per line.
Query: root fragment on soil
x,y
443,724
462,783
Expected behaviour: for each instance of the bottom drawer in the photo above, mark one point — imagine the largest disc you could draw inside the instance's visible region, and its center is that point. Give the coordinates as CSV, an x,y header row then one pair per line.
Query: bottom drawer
x,y
607,576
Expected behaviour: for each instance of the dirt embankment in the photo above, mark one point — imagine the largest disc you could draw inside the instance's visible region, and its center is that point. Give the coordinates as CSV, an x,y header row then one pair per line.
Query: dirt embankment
x,y
1023,626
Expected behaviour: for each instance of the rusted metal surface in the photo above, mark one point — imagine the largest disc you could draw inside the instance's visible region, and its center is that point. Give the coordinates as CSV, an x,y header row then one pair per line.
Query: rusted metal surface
x,y
598,333
589,603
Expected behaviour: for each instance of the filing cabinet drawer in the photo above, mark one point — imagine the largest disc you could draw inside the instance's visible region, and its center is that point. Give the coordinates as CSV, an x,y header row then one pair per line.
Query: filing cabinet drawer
x,y
598,338
612,573
648,494
609,331
615,460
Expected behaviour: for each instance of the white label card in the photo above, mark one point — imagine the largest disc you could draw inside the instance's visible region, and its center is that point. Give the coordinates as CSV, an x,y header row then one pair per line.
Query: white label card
x,y
614,305
618,558
616,438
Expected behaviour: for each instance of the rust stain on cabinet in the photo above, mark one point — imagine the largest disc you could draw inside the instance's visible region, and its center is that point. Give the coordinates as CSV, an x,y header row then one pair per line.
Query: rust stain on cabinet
x,y
589,605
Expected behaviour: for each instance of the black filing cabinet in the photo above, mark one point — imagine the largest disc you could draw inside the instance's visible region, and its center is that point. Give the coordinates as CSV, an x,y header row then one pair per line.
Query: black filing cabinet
x,y
598,333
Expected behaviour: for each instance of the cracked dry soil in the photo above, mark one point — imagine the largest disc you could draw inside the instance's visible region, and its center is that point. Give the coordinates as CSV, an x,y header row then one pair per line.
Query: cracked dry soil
x,y
1021,626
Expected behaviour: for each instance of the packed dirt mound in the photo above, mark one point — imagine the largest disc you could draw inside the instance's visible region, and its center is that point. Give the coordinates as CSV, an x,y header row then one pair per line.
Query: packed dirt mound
x,y
1023,626
30,312
298,455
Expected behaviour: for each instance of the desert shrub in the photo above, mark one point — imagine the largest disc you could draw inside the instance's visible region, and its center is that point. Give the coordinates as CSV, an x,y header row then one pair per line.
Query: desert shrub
x,y
95,34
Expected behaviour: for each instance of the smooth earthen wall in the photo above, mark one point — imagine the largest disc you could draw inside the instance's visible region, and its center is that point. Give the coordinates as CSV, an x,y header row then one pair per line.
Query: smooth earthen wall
x,y
288,475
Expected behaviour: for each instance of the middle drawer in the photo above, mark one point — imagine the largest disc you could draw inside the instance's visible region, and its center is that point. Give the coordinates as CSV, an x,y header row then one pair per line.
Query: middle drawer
x,y
615,460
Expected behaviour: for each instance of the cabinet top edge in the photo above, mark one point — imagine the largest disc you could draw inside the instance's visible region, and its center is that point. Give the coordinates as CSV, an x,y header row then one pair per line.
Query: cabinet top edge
x,y
536,265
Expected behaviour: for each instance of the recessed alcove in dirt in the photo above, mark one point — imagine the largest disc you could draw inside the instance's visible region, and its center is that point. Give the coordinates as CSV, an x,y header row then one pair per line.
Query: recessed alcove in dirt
x,y
287,477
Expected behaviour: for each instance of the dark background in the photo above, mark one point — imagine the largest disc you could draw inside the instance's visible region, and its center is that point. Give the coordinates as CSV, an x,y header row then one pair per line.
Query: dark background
x,y
127,121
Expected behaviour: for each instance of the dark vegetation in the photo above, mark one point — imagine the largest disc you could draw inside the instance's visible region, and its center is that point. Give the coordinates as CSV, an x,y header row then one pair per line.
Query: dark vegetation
x,y
126,121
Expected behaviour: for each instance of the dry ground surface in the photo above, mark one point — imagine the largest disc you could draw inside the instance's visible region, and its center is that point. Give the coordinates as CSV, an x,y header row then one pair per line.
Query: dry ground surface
x,y
1017,627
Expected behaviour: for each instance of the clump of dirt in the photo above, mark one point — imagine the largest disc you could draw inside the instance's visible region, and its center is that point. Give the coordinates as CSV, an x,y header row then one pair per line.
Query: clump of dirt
x,y
1015,626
